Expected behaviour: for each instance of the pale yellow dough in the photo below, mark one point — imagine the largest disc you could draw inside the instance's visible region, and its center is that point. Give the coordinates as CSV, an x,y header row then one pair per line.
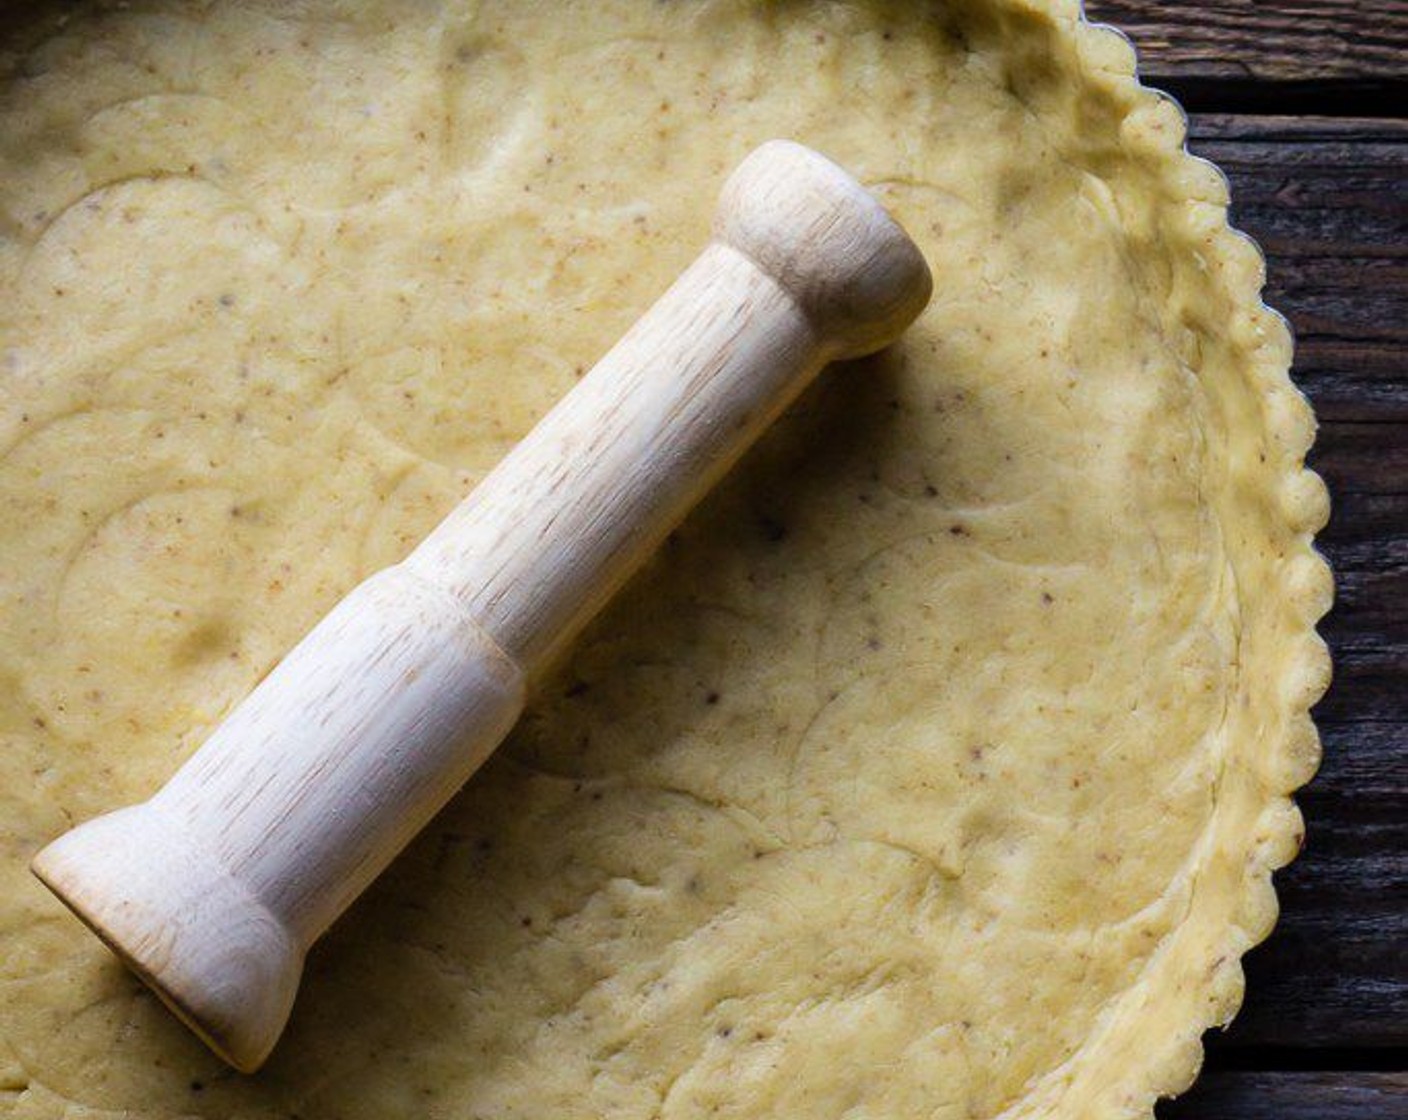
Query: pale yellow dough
x,y
935,768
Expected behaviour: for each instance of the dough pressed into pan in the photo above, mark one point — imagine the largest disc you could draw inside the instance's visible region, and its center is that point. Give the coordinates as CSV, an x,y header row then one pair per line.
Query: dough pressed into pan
x,y
938,764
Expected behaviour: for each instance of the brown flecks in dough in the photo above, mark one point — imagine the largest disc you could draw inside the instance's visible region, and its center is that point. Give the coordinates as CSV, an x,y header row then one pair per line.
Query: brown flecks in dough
x,y
913,908
773,530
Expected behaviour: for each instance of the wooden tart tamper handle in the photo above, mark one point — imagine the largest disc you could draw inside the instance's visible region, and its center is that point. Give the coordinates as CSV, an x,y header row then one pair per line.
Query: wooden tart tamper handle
x,y
213,890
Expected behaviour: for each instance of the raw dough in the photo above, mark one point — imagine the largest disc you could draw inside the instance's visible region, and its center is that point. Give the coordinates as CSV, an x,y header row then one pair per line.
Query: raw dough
x,y
935,768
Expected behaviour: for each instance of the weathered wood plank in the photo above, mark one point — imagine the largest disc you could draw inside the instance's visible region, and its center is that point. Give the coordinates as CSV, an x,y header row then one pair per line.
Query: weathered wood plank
x,y
1252,39
1292,1096
1328,202
1335,973
1366,543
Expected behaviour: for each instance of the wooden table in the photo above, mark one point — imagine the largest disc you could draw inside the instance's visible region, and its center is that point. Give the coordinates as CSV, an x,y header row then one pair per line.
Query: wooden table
x,y
1305,107
1304,104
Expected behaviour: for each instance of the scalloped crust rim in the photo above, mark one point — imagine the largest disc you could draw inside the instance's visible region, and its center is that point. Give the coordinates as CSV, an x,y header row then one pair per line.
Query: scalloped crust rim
x,y
1284,666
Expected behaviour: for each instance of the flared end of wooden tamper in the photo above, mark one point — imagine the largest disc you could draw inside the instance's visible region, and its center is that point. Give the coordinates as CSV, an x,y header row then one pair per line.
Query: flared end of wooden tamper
x,y
177,918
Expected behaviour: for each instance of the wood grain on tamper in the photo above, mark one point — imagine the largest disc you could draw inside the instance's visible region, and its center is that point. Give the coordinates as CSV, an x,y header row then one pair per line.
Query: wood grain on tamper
x,y
214,889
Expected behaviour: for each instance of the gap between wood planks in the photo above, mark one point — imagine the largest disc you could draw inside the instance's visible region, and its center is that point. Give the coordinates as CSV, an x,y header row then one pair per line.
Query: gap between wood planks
x,y
1373,99
1325,1059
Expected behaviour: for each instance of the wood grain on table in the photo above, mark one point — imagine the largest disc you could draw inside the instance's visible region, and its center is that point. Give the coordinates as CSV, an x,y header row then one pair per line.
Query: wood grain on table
x,y
1304,105
1305,108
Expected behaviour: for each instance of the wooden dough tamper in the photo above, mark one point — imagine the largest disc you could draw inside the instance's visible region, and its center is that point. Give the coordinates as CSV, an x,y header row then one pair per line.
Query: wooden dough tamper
x,y
213,890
